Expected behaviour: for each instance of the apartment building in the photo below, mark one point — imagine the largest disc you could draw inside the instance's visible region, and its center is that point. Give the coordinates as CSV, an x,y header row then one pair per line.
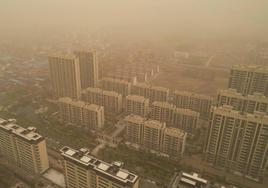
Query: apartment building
x,y
120,86
248,79
243,103
181,118
134,128
23,147
141,89
173,142
93,95
89,67
193,101
238,142
153,135
159,93
110,100
65,76
163,112
154,93
83,170
186,120
137,105
80,113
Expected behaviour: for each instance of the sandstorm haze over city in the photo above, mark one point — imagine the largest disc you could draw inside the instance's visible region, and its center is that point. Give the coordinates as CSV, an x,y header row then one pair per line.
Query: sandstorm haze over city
x,y
133,93
195,18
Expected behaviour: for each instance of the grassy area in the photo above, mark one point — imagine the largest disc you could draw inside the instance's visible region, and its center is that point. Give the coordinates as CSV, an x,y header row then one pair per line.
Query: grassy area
x,y
145,164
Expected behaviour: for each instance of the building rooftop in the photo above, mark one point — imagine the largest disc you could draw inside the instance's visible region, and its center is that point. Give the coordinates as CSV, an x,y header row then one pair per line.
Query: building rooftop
x,y
27,134
113,171
187,112
164,105
154,124
62,55
110,79
92,89
136,98
142,85
191,94
80,104
251,68
175,132
111,93
159,88
228,111
134,119
233,93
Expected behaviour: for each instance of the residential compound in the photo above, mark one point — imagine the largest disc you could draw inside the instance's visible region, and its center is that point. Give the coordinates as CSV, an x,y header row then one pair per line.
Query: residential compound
x,y
184,119
238,142
83,170
110,100
112,84
78,112
248,80
137,105
65,75
153,93
89,67
193,101
243,103
154,135
23,147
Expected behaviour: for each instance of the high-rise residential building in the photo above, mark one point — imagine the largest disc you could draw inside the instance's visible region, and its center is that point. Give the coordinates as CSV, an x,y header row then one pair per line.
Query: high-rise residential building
x,y
23,147
193,101
153,93
186,120
137,105
248,79
163,112
243,103
173,142
159,93
65,75
134,128
181,118
83,170
120,86
153,135
89,67
238,142
141,89
80,113
110,100
93,95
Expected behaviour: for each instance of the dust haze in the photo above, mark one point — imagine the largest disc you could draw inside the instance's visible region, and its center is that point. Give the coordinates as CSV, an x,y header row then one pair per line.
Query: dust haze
x,y
194,18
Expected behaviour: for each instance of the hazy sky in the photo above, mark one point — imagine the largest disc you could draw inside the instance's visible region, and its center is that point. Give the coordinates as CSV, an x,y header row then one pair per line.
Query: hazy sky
x,y
209,17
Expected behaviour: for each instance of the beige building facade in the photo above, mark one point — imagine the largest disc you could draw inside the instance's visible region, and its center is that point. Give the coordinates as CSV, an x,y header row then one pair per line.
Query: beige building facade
x,y
23,147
